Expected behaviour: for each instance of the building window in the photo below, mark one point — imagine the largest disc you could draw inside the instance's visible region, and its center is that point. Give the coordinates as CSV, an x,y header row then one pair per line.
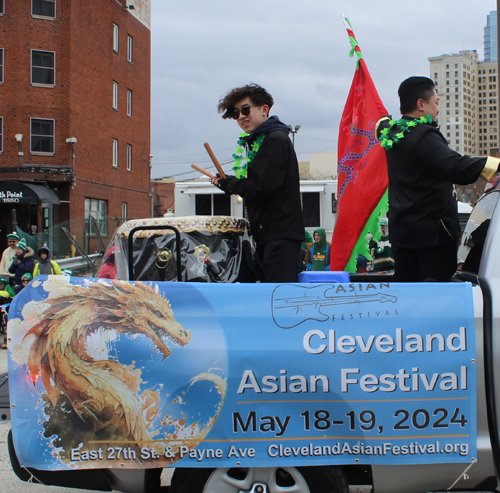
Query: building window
x,y
212,205
129,102
115,38
43,67
124,210
129,48
115,95
42,135
115,153
45,8
1,134
98,209
311,209
129,157
1,7
1,64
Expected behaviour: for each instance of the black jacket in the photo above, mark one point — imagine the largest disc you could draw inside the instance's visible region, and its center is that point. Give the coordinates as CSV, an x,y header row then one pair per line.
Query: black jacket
x,y
422,170
272,187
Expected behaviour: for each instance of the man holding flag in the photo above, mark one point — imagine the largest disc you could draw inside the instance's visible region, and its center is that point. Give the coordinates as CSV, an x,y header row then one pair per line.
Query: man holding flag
x,y
422,170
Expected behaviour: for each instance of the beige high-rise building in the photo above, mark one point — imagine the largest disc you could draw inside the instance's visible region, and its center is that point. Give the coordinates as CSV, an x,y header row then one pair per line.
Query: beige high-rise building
x,y
468,114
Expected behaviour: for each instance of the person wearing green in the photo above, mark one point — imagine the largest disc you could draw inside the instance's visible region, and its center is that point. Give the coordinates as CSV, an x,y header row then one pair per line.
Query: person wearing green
x,y
319,252
309,239
6,290
381,250
6,295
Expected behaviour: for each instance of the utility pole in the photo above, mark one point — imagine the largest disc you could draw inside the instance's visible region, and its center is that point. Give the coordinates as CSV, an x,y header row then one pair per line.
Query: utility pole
x,y
297,128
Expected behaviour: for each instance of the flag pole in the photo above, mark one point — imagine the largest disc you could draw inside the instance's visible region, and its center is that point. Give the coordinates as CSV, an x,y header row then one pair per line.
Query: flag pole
x,y
362,169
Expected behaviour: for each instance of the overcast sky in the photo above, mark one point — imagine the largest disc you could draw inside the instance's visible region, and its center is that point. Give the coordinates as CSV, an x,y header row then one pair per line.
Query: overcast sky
x,y
299,51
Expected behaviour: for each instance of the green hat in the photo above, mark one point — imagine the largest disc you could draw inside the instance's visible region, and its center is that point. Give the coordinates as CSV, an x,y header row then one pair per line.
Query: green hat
x,y
27,275
13,236
383,222
22,245
4,280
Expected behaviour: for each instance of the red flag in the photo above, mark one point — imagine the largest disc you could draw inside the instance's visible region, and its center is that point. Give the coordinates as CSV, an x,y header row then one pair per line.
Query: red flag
x,y
362,168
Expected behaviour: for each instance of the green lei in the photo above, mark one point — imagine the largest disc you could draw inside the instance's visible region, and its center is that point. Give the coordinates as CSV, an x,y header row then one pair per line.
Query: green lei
x,y
405,126
241,162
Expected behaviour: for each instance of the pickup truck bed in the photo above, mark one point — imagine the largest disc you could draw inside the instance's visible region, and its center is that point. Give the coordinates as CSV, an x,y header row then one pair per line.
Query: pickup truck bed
x,y
251,356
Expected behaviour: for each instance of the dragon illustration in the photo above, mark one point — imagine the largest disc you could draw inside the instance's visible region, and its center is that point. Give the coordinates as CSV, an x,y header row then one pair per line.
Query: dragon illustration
x,y
89,397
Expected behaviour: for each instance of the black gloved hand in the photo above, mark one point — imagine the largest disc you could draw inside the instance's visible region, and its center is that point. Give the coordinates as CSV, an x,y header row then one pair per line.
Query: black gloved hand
x,y
225,183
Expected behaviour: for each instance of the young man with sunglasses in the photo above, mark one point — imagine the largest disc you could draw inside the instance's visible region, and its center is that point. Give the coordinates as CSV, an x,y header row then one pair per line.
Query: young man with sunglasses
x,y
267,177
8,256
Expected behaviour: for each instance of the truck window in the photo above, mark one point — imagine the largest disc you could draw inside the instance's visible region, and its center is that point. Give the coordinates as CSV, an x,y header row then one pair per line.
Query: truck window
x,y
471,246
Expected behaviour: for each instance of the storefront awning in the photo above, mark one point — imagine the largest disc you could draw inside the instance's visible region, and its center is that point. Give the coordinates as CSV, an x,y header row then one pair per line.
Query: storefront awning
x,y
14,192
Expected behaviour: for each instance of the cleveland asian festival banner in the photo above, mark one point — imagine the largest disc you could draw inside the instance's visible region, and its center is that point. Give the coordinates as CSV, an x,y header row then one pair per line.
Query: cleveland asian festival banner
x,y
146,375
362,169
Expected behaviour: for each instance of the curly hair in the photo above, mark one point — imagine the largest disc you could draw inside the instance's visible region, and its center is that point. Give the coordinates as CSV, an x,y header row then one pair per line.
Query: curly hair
x,y
257,94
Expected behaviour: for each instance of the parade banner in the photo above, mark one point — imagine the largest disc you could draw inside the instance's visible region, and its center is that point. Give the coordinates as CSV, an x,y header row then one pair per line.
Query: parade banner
x,y
145,375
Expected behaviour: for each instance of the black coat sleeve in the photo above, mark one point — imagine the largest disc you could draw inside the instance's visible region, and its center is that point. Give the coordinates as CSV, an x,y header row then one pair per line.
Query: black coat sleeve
x,y
436,155
267,171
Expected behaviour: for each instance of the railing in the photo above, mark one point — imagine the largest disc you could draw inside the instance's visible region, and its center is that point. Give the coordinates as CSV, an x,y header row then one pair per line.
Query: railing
x,y
75,263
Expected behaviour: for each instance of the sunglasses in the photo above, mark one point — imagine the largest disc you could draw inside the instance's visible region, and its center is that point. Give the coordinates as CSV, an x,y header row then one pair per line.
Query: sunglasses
x,y
245,111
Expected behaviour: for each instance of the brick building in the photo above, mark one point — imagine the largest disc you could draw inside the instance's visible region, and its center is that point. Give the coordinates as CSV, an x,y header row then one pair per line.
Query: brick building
x,y
74,116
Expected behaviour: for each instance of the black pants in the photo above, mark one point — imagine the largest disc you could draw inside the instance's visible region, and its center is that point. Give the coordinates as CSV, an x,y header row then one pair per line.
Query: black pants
x,y
280,260
421,264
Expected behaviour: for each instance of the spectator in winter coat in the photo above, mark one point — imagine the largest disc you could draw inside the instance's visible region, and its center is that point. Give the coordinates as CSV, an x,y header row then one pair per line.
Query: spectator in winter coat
x,y
381,250
319,252
6,294
108,268
46,266
8,255
25,280
23,262
6,290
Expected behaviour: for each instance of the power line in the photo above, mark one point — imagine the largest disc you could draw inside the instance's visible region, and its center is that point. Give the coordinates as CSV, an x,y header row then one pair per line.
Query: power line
x,y
314,138
186,159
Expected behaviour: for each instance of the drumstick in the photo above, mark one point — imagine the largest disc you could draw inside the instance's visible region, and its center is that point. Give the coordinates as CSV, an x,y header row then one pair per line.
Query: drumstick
x,y
204,171
214,160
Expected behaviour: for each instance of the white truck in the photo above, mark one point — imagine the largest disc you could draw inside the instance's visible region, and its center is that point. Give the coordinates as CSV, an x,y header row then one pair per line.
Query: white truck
x,y
251,388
